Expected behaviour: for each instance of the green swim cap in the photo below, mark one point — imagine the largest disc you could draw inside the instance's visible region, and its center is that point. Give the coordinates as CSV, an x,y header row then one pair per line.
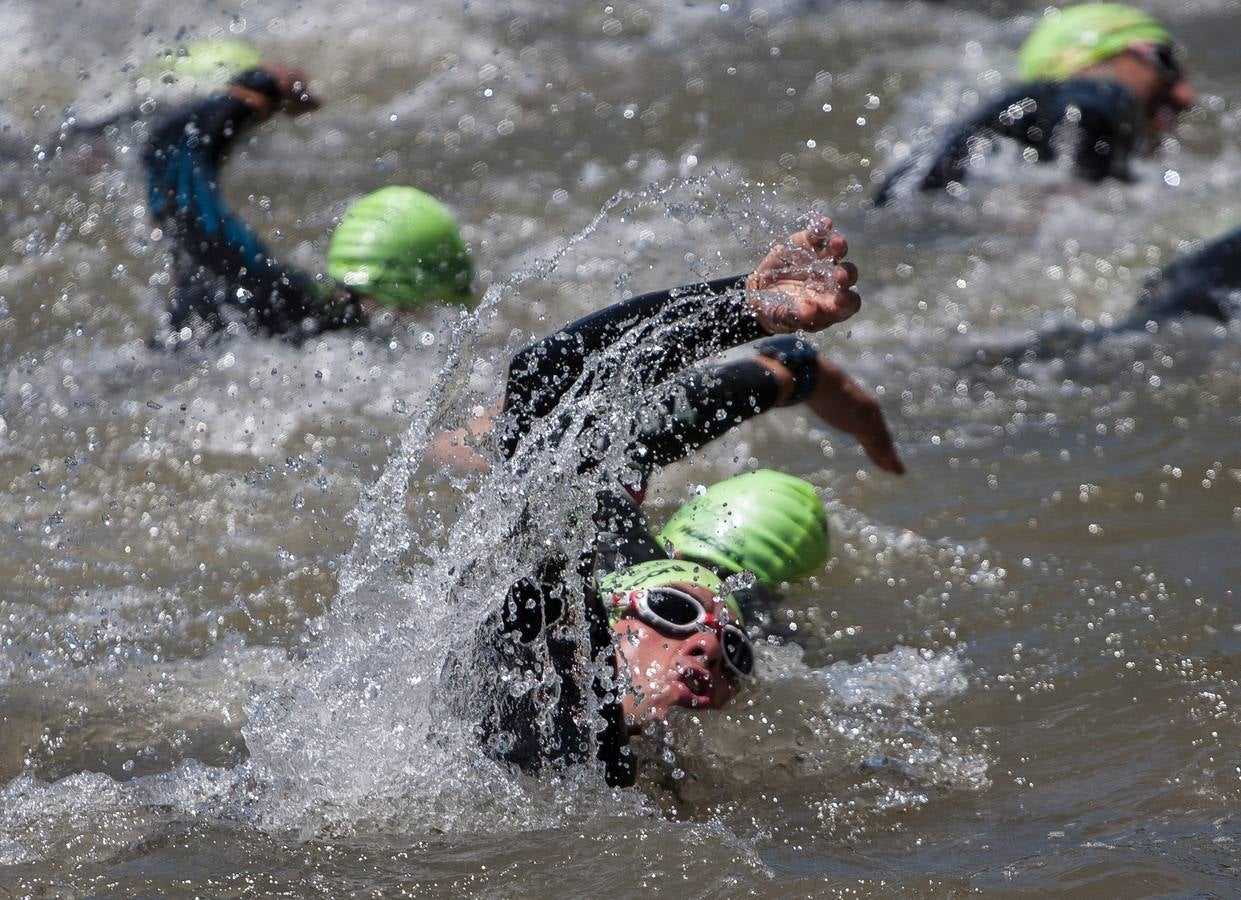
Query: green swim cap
x,y
661,572
401,247
765,522
213,61
1076,37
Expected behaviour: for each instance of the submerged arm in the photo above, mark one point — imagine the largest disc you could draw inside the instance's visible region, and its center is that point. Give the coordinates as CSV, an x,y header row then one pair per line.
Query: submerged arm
x,y
1200,283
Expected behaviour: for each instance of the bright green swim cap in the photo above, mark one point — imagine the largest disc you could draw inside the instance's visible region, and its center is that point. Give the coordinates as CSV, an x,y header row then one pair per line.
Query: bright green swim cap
x,y
401,247
661,572
765,522
1076,37
213,61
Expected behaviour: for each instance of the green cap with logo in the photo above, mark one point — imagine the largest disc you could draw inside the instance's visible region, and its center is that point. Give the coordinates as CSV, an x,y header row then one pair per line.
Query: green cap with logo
x,y
661,573
402,247
765,522
1076,37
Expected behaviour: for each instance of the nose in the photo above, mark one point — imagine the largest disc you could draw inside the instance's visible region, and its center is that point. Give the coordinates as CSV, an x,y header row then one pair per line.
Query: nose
x,y
705,649
1181,95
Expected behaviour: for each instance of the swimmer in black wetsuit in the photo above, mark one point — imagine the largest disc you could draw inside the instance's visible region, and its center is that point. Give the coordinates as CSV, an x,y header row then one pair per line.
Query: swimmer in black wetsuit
x,y
1204,283
1102,82
394,248
553,623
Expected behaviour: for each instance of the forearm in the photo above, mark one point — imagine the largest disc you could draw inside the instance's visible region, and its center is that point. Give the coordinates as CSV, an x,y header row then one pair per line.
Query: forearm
x,y
705,404
1197,284
459,449
668,330
701,405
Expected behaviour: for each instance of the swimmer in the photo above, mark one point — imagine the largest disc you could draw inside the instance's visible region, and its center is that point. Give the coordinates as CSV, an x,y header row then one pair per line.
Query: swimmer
x,y
393,250
1205,283
665,632
1101,82
197,66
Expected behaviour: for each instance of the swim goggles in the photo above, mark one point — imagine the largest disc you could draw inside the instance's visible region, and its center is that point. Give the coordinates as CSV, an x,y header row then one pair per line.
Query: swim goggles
x,y
1163,58
677,613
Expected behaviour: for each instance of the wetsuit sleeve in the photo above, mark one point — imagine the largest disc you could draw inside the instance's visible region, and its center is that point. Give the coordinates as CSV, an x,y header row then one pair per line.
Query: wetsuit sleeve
x,y
1205,283
1108,128
691,409
1104,116
667,331
949,160
210,241
183,171
700,405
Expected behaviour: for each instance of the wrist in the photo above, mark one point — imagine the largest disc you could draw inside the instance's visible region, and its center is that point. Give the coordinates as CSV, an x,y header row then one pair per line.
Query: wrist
x,y
754,300
800,360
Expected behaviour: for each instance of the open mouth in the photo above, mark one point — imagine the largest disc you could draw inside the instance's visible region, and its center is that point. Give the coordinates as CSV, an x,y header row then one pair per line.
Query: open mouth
x,y
698,682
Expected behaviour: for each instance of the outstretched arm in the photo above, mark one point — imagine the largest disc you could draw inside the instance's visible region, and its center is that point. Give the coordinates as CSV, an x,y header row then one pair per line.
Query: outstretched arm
x,y
1102,112
183,162
704,404
801,284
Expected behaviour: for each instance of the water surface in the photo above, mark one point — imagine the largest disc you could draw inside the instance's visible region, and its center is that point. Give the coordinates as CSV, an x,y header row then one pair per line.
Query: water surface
x,y
225,572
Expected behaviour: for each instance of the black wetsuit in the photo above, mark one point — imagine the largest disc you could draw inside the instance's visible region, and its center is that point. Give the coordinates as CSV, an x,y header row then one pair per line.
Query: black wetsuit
x,y
219,261
1098,123
1204,283
686,408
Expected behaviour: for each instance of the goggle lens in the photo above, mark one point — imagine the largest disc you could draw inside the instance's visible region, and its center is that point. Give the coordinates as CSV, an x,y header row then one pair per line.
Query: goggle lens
x,y
674,607
738,652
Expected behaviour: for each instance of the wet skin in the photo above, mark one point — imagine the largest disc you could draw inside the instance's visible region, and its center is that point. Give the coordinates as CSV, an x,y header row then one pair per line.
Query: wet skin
x,y
1163,94
666,671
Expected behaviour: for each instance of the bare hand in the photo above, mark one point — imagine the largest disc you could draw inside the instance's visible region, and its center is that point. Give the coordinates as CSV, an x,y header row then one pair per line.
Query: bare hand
x,y
844,404
803,285
294,88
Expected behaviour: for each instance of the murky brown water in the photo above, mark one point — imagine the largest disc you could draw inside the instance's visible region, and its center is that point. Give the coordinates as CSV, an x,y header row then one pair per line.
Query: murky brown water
x,y
1018,673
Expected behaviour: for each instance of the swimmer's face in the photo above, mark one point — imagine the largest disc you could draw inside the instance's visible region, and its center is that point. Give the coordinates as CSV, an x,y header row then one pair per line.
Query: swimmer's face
x,y
1154,74
666,671
294,87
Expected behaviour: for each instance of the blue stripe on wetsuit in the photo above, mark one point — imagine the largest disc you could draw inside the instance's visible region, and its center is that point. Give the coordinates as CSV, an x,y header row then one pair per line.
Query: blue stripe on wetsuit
x,y
214,244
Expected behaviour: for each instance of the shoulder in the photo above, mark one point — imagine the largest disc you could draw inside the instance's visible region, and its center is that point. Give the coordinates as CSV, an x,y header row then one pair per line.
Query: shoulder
x,y
218,113
1014,103
1100,104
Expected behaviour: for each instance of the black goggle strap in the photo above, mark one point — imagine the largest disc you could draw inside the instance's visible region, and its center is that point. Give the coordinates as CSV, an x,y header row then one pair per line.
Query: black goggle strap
x,y
1167,58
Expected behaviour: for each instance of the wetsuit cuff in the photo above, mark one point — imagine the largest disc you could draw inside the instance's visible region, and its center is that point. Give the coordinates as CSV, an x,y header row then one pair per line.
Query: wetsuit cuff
x,y
796,355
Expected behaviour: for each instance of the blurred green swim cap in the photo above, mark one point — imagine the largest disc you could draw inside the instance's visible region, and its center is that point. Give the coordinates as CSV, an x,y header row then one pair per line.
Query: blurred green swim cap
x,y
212,60
1067,41
765,522
659,573
401,247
